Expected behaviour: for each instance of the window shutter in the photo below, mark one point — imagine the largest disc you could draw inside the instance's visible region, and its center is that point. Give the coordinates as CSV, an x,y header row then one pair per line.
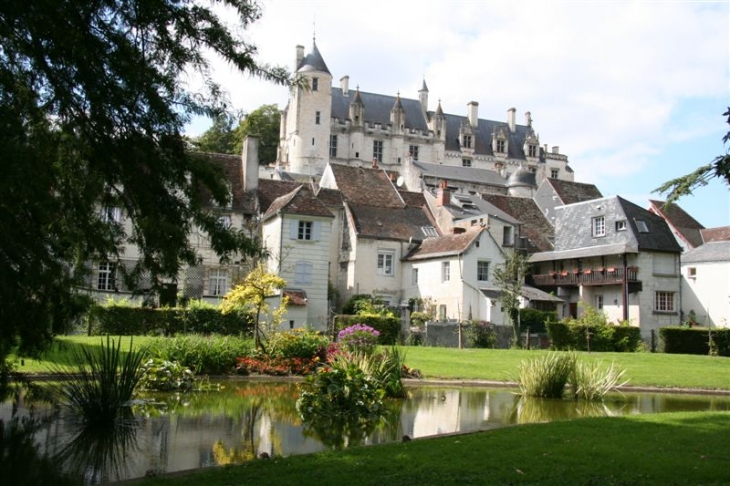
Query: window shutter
x,y
294,232
316,229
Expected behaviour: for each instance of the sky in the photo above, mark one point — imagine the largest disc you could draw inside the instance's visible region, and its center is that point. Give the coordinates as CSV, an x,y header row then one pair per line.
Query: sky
x,y
632,92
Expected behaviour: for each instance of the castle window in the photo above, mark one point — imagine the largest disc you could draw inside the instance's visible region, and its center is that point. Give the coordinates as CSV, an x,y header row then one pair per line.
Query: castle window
x,y
315,84
467,141
413,151
333,145
316,117
554,173
500,146
378,150
466,162
532,150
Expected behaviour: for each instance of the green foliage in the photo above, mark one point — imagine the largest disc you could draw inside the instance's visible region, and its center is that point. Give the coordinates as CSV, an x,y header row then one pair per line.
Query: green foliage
x,y
102,383
536,319
590,381
386,368
509,277
592,332
93,100
213,355
684,185
419,319
163,375
134,321
546,376
218,139
298,343
696,340
264,123
387,326
358,338
480,335
366,304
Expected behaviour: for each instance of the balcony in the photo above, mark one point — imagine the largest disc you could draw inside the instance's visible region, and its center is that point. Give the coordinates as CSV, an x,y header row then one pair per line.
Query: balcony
x,y
591,276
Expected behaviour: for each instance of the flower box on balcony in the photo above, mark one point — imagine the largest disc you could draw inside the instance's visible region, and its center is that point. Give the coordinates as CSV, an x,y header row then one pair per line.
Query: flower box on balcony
x,y
587,272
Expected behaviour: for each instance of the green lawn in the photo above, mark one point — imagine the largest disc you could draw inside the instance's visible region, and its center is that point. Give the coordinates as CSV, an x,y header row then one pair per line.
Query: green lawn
x,y
643,369
680,448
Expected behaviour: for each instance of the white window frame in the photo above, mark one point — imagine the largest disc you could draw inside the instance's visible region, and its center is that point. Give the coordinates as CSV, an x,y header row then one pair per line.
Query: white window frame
x,y
598,226
111,214
480,270
218,282
554,173
106,279
664,301
621,225
385,264
225,220
445,271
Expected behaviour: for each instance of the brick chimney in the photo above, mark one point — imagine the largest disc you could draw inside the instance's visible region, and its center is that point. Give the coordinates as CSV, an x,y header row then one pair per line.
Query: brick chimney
x,y
443,195
511,119
375,163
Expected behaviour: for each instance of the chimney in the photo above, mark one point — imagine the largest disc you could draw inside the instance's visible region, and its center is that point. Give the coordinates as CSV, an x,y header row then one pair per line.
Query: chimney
x,y
443,195
511,119
556,149
528,118
472,113
300,57
375,163
345,85
250,163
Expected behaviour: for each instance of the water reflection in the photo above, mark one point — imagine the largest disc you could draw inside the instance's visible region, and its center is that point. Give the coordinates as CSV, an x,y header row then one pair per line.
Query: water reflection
x,y
248,419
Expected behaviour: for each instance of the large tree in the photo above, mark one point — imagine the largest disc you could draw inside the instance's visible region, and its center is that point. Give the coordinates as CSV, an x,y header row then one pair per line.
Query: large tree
x,y
683,186
93,99
263,123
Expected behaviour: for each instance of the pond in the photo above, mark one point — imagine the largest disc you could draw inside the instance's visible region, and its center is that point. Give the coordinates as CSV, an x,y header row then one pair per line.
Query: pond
x,y
247,419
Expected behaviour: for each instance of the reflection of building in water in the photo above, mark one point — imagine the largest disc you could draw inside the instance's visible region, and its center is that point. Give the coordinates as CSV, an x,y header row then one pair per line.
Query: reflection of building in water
x,y
448,411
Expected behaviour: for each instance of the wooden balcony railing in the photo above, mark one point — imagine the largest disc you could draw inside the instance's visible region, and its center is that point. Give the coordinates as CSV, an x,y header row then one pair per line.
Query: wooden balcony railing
x,y
591,276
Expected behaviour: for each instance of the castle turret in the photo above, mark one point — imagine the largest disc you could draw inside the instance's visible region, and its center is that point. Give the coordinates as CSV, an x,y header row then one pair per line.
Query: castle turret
x,y
423,97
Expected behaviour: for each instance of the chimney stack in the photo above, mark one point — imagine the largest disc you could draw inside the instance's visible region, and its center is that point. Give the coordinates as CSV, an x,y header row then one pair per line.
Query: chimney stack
x,y
443,195
511,119
345,85
250,163
473,113
528,118
556,149
300,57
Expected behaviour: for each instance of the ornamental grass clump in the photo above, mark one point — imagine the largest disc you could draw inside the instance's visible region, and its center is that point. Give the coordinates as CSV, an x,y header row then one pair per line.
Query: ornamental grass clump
x,y
547,375
590,381
358,338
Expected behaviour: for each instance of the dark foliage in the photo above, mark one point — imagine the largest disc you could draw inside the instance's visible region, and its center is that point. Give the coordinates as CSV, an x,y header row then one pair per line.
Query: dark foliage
x,y
703,341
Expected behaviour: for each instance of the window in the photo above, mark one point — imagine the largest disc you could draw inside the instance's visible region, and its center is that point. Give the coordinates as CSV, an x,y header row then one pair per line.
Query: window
x,y
385,263
414,276
641,225
467,141
692,273
317,116
315,84
500,146
482,271
532,150
303,273
599,226
111,214
218,281
664,301
107,276
664,264
429,231
333,145
466,162
291,324
445,271
621,225
508,238
599,301
442,312
378,150
413,151
554,173
304,232
225,220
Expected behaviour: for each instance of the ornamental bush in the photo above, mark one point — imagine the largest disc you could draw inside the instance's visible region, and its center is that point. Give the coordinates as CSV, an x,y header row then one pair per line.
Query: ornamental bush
x,y
358,338
163,375
298,343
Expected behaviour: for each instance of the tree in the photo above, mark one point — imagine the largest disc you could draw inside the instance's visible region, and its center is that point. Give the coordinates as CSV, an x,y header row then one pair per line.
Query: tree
x,y
263,123
218,139
92,105
250,296
684,185
509,277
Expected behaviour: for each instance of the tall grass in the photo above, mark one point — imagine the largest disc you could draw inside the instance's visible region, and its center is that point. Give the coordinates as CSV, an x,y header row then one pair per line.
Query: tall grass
x,y
590,381
101,382
547,375
212,354
385,368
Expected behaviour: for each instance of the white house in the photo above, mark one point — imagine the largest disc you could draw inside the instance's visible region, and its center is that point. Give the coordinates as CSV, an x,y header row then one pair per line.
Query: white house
x,y
706,283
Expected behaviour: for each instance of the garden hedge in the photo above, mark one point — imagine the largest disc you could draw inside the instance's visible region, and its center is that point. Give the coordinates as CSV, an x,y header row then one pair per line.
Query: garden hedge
x,y
536,319
564,337
130,321
388,327
683,340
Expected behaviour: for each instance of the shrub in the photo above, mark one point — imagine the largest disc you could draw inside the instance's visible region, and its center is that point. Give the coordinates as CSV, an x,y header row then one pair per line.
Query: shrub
x,y
385,368
536,319
298,343
419,319
591,332
358,338
546,376
480,335
695,340
202,354
388,327
163,375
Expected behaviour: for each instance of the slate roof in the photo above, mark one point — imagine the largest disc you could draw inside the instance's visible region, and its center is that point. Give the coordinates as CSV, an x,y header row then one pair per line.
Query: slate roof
x,y
459,173
466,206
366,186
483,136
714,251
571,192
377,107
688,227
313,62
447,245
659,237
721,233
535,227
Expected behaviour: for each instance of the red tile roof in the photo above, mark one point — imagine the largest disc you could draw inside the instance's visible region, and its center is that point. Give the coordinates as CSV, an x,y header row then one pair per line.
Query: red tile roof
x,y
721,233
453,244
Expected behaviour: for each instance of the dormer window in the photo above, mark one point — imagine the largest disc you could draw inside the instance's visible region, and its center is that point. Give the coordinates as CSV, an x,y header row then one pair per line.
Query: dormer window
x,y
315,84
532,150
500,146
641,225
598,225
621,225
466,141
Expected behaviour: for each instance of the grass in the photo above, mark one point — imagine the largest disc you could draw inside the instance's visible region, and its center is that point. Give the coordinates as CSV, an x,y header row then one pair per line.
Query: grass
x,y
642,369
680,448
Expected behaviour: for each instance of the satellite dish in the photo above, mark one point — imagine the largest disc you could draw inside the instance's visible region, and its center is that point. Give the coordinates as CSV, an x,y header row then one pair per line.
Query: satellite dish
x,y
399,181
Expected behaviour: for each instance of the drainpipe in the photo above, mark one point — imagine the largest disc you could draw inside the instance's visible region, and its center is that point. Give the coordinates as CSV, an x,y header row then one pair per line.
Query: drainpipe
x,y
625,293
